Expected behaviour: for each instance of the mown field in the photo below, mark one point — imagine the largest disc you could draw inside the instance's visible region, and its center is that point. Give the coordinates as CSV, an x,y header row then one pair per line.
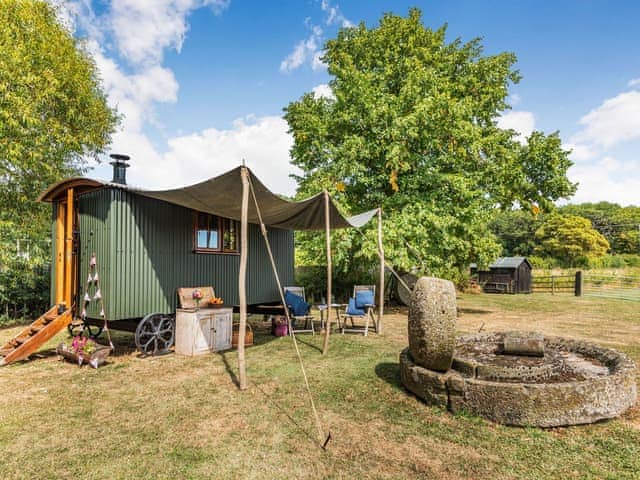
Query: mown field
x,y
178,417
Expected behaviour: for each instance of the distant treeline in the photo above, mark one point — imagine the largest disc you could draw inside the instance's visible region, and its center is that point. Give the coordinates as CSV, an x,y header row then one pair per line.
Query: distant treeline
x,y
595,235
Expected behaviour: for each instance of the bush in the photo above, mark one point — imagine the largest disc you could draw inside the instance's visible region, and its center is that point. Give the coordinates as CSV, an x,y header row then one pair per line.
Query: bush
x,y
542,263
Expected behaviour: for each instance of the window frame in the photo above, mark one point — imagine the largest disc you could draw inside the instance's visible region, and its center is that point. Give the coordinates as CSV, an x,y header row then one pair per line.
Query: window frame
x,y
221,232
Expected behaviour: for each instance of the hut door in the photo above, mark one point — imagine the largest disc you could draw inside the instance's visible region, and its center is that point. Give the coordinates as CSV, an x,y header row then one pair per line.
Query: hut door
x,y
66,268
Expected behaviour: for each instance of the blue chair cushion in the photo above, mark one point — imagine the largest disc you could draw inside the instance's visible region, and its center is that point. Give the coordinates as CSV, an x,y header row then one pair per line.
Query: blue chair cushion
x,y
352,309
297,304
364,298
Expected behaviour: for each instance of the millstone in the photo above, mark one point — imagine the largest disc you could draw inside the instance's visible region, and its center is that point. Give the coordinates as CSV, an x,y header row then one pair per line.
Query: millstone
x,y
523,343
432,323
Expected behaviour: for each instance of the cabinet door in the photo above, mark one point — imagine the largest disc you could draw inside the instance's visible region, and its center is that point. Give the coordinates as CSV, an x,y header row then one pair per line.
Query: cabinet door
x,y
222,336
202,335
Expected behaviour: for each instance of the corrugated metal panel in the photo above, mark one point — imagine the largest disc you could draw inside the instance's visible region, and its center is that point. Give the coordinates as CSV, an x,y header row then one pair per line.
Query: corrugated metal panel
x,y
93,211
146,253
507,262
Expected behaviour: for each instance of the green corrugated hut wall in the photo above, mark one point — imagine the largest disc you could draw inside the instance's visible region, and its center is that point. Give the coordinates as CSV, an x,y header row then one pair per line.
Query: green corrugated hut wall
x,y
144,249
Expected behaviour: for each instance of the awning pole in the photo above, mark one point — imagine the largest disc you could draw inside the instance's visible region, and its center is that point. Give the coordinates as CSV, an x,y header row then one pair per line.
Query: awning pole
x,y
242,279
381,291
327,331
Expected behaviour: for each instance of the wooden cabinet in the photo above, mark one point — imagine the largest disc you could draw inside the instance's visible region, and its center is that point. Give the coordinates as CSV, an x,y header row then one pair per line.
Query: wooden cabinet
x,y
203,330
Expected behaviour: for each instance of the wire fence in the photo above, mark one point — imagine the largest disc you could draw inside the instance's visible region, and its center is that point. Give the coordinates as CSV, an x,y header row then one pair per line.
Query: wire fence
x,y
611,286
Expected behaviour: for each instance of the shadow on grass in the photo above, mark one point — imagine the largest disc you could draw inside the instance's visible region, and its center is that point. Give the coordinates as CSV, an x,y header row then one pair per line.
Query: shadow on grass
x,y
227,367
390,373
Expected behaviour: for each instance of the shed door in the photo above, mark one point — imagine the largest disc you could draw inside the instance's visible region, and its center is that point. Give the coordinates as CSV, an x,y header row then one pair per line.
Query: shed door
x,y
66,265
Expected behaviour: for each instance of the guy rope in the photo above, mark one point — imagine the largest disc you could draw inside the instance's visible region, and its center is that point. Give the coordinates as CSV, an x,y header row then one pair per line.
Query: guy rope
x,y
323,441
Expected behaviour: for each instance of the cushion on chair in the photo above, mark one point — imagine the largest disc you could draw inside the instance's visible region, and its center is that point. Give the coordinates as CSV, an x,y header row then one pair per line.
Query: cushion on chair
x,y
364,298
352,309
297,304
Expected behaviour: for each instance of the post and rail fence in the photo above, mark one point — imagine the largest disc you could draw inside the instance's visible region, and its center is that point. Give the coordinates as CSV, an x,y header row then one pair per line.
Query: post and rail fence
x,y
589,284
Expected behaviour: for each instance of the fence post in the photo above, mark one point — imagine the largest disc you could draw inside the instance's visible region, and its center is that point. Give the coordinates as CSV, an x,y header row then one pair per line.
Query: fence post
x,y
578,284
553,285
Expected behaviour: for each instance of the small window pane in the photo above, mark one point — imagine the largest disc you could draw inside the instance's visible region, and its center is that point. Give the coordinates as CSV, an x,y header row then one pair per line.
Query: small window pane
x,y
202,238
213,239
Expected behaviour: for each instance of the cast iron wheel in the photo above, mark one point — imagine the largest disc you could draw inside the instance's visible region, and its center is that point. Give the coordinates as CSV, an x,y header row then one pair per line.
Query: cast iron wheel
x,y
81,328
155,334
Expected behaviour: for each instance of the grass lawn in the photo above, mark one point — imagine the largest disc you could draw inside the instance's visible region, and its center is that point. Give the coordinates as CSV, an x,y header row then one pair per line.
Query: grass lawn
x,y
181,417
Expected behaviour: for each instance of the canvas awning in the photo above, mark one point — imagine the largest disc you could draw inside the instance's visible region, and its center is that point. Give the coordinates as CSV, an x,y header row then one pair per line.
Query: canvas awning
x,y
220,196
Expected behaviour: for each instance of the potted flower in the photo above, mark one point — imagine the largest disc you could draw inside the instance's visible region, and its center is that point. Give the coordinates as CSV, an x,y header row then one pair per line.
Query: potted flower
x,y
84,350
197,296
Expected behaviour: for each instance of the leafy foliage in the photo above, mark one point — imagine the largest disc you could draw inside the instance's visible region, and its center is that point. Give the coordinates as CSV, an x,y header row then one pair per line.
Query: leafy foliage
x,y
53,115
413,128
570,237
619,225
515,230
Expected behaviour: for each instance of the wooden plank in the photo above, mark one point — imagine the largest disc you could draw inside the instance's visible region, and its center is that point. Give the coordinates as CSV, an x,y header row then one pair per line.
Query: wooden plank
x,y
68,250
60,242
32,344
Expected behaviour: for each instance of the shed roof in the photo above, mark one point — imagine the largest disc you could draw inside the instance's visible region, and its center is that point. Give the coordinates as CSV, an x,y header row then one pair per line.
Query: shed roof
x,y
221,196
509,262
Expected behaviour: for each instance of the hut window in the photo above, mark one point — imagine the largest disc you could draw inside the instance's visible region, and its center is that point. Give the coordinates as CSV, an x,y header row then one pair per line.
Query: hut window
x,y
207,232
215,234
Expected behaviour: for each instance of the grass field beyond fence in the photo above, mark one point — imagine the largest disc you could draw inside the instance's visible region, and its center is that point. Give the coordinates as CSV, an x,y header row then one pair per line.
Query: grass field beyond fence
x,y
176,417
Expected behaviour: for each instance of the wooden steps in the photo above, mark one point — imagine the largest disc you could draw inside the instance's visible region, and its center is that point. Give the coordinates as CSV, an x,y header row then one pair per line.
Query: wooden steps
x,y
31,338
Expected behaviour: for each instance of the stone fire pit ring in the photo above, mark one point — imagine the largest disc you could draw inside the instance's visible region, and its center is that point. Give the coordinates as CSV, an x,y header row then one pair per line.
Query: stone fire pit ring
x,y
578,382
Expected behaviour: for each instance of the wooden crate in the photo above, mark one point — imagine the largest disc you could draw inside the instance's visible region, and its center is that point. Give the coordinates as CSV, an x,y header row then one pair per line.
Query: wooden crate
x,y
186,296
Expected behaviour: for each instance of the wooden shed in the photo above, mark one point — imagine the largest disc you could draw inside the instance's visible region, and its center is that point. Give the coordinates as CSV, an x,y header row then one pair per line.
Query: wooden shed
x,y
505,275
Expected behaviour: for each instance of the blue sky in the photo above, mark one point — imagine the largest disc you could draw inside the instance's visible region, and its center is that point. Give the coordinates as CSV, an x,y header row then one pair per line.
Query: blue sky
x,y
201,84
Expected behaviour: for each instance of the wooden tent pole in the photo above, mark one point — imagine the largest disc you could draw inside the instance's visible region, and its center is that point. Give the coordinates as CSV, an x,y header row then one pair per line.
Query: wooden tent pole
x,y
381,291
327,331
242,279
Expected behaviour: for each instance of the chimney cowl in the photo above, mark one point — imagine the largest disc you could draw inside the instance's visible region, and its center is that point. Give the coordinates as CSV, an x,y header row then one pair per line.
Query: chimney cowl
x,y
120,166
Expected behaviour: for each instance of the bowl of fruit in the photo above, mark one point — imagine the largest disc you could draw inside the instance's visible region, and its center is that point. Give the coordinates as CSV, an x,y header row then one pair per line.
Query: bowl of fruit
x,y
216,302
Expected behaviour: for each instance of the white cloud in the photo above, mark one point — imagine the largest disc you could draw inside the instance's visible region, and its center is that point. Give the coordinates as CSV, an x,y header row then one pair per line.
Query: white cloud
x,y
520,121
307,50
310,50
635,83
143,29
580,152
616,121
323,90
263,142
334,15
606,180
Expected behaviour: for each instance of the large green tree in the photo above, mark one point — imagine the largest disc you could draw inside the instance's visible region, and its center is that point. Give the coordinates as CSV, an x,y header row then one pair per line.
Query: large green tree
x,y
413,128
569,237
53,115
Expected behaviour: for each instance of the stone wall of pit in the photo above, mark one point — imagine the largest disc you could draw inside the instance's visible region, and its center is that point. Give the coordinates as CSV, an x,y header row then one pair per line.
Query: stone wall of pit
x,y
531,404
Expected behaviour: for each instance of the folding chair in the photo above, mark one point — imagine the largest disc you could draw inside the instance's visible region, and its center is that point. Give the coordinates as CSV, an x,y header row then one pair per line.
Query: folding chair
x,y
360,307
298,310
